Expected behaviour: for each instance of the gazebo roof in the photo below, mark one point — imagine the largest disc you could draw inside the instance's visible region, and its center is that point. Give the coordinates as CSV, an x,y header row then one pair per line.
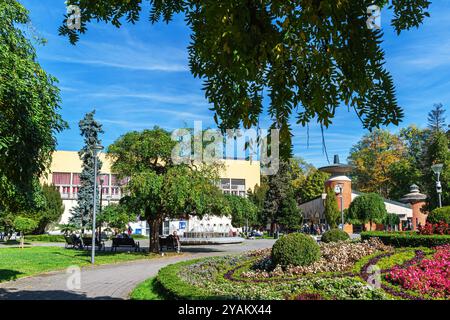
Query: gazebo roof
x,y
414,195
337,168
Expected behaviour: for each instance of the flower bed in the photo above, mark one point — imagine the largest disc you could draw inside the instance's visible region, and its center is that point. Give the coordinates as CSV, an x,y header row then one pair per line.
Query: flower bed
x,y
429,276
406,273
335,257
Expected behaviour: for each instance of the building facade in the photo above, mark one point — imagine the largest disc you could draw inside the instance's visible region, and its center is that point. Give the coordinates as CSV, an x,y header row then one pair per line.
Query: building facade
x,y
236,178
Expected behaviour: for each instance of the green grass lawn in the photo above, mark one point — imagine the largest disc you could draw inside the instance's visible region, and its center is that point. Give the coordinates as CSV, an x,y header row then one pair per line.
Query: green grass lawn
x,y
16,262
146,290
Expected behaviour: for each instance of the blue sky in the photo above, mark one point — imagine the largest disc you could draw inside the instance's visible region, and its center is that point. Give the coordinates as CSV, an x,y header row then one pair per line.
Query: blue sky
x,y
138,76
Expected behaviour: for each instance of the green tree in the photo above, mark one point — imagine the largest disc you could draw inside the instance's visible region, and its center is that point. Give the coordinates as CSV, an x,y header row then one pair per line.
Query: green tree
x,y
157,188
24,225
367,208
311,186
116,216
52,210
436,118
279,188
257,197
437,152
371,159
311,56
332,213
243,211
67,228
29,119
90,130
391,220
290,216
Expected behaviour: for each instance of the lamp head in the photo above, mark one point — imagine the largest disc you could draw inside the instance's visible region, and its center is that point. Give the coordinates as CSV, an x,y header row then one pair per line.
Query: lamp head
x,y
437,168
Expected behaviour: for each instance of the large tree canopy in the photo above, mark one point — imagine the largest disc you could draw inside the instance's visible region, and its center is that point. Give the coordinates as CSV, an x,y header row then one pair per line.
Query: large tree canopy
x,y
159,189
311,56
29,101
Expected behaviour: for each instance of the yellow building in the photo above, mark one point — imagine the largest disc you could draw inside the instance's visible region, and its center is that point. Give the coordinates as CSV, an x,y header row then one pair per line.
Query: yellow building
x,y
237,177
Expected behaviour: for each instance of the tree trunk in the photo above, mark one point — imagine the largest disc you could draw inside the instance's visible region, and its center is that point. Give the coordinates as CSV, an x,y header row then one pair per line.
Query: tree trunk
x,y
22,240
155,224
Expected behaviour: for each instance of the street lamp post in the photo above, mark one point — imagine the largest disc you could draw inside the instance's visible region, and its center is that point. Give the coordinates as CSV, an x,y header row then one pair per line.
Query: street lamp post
x,y
339,188
437,169
95,149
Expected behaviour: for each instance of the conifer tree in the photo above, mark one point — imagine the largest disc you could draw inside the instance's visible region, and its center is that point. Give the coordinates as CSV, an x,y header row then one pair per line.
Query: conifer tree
x,y
90,130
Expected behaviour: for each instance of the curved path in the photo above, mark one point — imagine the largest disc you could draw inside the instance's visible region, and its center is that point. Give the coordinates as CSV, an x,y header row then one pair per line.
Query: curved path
x,y
114,281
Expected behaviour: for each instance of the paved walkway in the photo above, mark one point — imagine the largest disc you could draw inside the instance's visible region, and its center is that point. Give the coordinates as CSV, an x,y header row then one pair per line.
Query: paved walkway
x,y
111,281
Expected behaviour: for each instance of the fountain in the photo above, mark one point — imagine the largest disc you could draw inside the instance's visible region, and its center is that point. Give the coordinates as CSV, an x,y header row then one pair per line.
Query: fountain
x,y
210,234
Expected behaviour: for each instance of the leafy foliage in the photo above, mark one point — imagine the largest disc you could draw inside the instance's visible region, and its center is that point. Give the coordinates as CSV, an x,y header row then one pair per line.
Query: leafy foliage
x,y
367,208
29,119
290,216
311,56
439,214
90,130
243,211
332,213
371,159
116,216
390,163
51,212
334,235
312,185
296,249
391,220
157,188
436,118
280,202
257,197
24,224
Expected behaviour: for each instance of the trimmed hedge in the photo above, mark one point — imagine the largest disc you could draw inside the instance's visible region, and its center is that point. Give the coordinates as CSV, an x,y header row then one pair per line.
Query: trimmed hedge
x,y
334,235
439,214
295,249
400,239
45,238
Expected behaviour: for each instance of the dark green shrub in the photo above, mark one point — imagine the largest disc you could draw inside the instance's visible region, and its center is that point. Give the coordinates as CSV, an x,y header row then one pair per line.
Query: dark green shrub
x,y
295,249
45,238
439,214
334,235
407,239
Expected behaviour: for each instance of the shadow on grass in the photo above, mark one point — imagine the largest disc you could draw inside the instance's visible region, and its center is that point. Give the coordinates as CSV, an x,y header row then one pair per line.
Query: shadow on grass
x,y
13,243
8,275
12,294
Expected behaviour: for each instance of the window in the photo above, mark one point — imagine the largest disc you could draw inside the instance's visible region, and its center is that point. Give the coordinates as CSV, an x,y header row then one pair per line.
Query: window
x,y
115,191
105,190
105,178
60,178
225,184
76,179
65,190
75,190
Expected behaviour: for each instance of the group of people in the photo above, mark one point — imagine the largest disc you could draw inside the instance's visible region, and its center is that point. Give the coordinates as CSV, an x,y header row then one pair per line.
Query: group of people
x,y
315,228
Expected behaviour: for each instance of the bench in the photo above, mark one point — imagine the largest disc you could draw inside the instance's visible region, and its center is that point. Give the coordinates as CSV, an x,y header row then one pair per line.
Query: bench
x,y
87,242
72,242
169,242
125,242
